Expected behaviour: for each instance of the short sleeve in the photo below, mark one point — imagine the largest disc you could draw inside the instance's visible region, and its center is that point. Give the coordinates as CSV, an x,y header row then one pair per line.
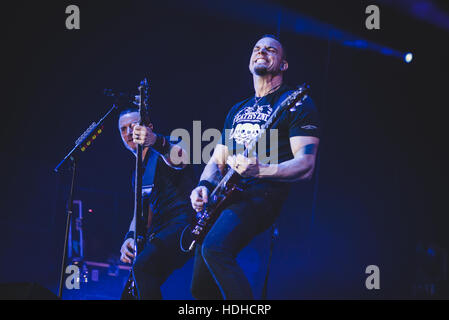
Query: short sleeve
x,y
305,120
225,132
227,127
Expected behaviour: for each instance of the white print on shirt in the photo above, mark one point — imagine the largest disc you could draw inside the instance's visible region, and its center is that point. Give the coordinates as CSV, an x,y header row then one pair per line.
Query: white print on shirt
x,y
309,127
247,123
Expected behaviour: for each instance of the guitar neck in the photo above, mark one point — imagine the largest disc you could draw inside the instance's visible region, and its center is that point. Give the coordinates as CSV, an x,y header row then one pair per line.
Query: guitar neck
x,y
220,186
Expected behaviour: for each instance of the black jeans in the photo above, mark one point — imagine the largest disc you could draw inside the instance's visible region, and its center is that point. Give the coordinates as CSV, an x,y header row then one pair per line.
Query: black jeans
x,y
160,257
216,274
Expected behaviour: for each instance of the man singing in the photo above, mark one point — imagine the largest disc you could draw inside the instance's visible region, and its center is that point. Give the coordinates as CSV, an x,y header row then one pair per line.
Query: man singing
x,y
265,185
165,188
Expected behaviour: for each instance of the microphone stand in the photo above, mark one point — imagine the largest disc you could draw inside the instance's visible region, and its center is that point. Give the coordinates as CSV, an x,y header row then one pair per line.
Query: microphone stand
x,y
83,142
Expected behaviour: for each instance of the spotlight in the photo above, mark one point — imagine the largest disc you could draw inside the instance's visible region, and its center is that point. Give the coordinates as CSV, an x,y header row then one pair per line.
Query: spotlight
x,y
408,57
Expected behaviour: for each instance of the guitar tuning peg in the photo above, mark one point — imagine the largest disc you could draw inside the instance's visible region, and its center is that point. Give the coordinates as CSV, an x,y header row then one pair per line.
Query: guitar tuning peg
x,y
297,104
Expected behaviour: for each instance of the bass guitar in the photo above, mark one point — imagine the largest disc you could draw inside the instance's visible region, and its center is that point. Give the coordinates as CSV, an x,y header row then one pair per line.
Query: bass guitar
x,y
142,100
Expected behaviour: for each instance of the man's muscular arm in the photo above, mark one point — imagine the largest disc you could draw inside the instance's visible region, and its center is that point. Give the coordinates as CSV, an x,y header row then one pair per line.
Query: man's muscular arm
x,y
300,167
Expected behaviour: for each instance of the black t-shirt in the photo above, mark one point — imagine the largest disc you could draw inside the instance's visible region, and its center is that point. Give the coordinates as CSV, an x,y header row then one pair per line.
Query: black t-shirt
x,y
245,119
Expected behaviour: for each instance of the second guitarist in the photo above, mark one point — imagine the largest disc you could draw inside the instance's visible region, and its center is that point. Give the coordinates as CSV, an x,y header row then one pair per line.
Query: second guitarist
x,y
165,188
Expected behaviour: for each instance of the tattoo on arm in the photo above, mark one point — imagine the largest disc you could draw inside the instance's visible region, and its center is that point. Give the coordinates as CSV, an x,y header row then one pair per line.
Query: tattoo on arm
x,y
309,148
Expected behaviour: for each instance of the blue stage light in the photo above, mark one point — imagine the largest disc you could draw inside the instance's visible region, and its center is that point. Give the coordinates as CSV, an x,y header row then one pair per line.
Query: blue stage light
x,y
408,57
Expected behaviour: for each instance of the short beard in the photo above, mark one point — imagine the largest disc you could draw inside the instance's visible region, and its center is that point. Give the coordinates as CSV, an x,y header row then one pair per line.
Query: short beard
x,y
260,70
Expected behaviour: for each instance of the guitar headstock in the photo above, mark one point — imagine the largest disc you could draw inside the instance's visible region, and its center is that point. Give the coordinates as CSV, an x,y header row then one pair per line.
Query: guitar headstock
x,y
143,101
297,97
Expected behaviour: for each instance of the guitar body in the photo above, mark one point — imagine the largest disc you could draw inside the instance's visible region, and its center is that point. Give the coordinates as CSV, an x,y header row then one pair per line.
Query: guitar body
x,y
130,290
206,219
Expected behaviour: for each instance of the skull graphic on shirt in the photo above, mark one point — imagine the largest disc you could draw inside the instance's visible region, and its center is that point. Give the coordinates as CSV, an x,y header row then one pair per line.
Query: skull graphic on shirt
x,y
244,133
247,123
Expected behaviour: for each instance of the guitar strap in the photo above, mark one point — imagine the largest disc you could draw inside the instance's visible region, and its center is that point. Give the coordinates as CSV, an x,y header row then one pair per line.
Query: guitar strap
x,y
282,97
148,179
150,169
278,103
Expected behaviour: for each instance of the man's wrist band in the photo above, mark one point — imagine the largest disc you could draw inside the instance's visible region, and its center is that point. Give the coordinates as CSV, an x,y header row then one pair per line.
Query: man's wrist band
x,y
129,235
161,145
205,183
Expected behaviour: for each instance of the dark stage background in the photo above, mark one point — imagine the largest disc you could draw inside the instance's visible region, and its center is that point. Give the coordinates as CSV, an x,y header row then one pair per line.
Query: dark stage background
x,y
381,181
